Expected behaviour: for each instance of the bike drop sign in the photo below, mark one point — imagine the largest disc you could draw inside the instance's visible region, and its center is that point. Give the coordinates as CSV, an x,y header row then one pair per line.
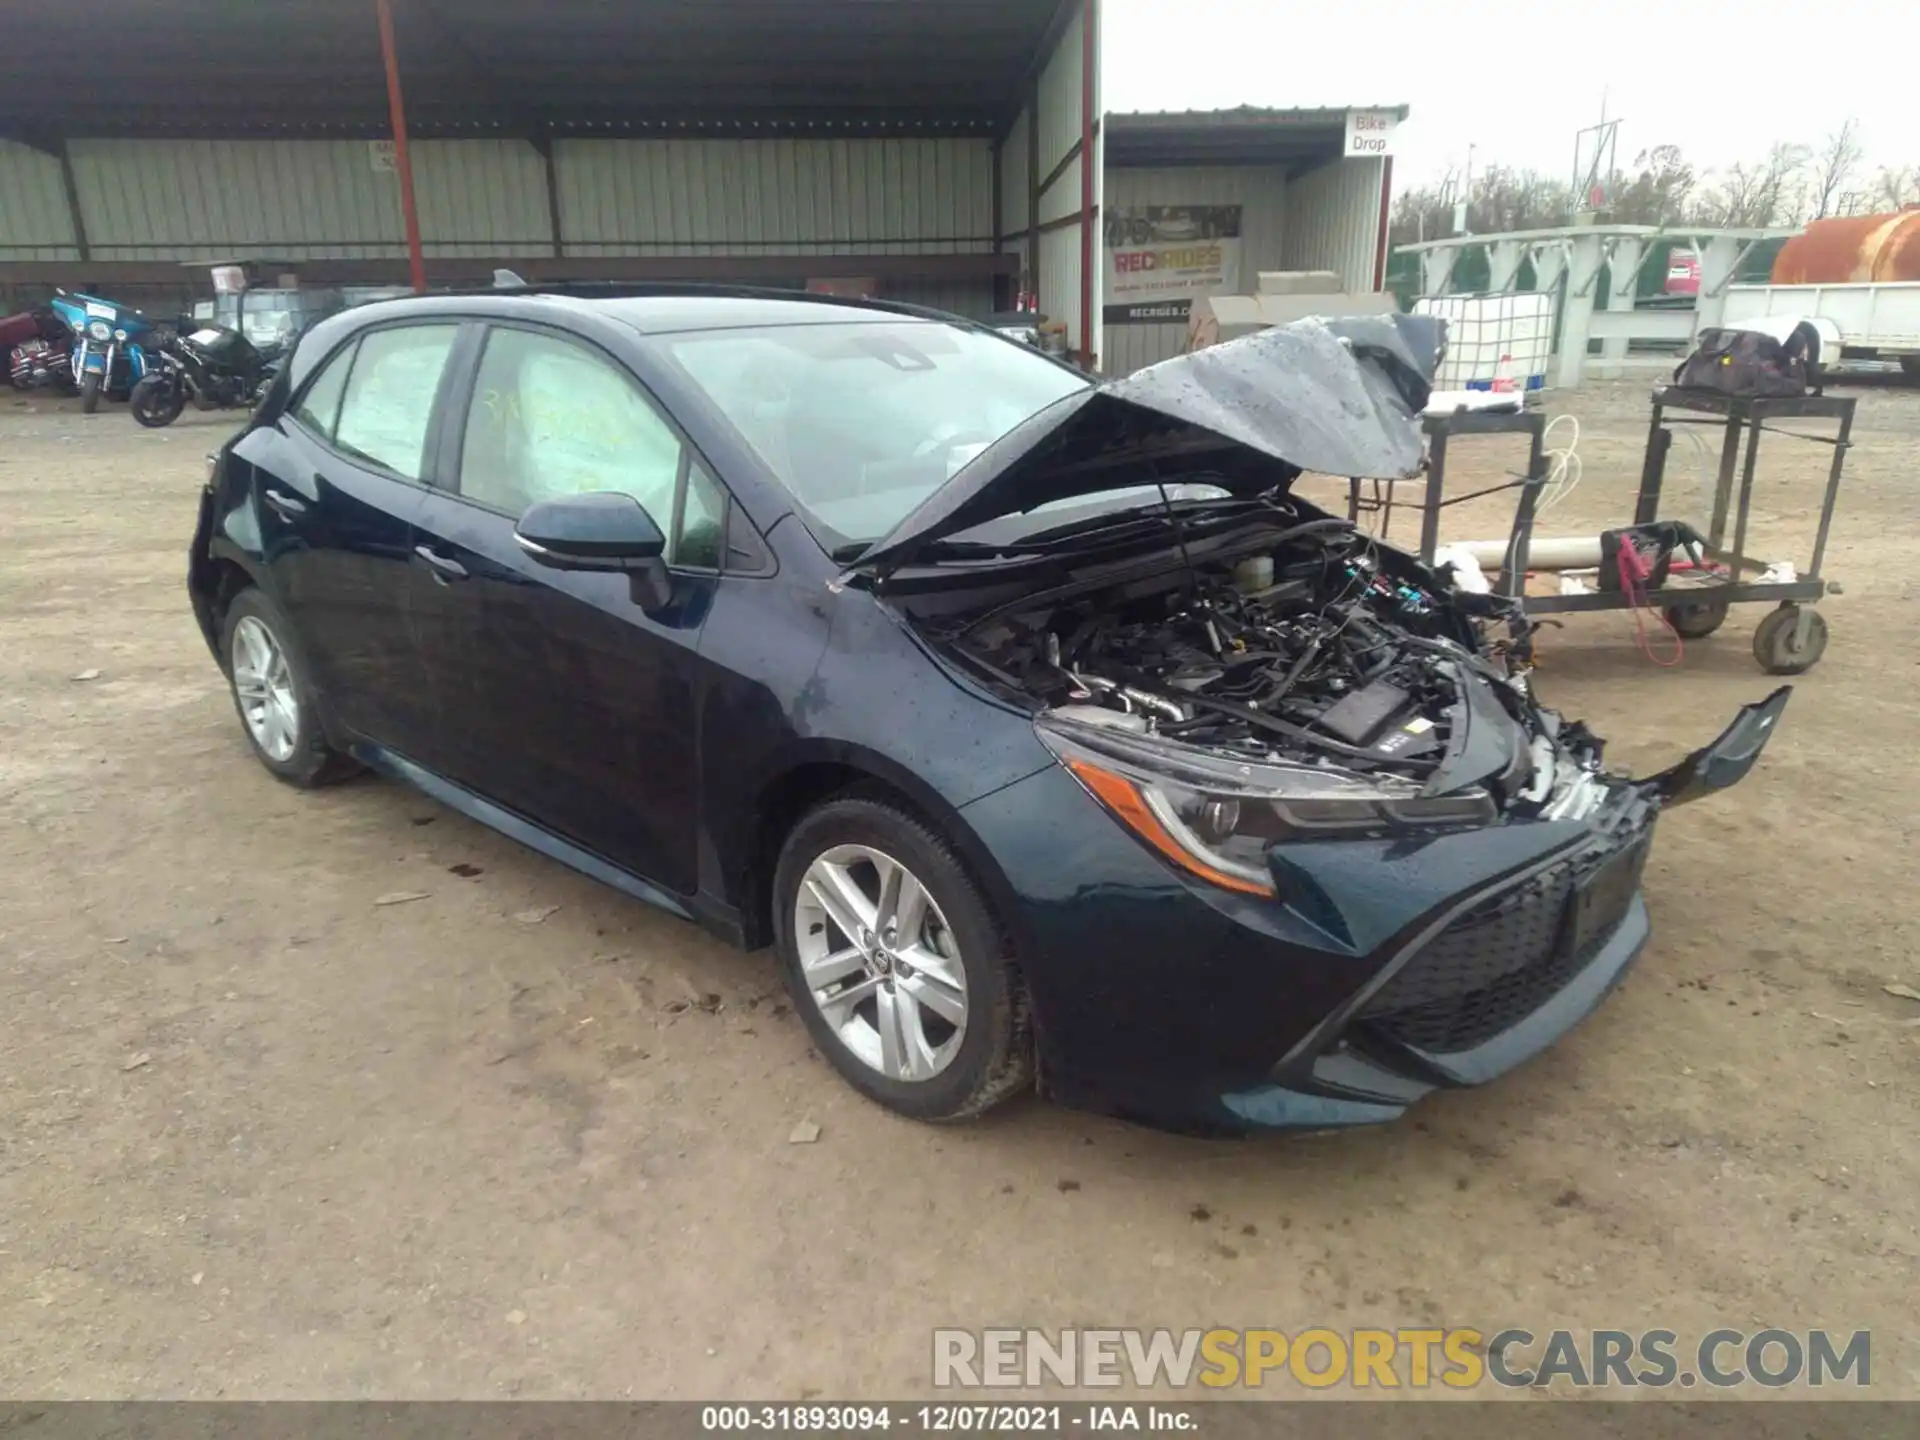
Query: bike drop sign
x,y
1370,132
1161,258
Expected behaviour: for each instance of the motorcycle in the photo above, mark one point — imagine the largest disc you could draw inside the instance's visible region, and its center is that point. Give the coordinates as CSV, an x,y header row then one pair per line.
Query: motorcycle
x,y
109,351
214,367
36,351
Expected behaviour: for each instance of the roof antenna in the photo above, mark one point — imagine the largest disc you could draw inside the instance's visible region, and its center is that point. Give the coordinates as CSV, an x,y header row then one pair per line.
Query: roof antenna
x,y
507,280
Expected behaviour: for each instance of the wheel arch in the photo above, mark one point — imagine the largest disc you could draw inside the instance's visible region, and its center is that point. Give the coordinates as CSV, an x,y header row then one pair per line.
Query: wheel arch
x,y
217,578
826,771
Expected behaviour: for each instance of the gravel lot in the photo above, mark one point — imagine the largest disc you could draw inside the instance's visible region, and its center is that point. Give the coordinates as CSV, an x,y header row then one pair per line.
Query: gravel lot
x,y
262,1137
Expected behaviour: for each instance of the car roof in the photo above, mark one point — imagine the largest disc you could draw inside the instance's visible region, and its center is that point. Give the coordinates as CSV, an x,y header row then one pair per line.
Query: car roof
x,y
661,310
665,314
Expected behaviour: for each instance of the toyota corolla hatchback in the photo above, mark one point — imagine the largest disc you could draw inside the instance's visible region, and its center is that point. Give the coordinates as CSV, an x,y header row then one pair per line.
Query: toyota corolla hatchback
x,y
1044,735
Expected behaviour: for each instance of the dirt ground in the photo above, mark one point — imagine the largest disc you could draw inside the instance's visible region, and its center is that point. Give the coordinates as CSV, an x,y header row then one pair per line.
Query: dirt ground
x,y
263,1137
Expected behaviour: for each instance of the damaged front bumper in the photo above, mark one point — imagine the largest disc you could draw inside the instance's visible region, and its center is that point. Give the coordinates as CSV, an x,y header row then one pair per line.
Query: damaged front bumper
x,y
1727,760
1383,968
1498,979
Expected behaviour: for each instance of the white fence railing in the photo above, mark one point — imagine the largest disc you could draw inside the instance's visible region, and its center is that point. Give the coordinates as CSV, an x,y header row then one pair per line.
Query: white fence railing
x,y
1567,264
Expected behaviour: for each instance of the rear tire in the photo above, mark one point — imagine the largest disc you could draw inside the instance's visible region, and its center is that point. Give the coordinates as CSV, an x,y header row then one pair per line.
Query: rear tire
x,y
957,956
267,676
89,393
157,401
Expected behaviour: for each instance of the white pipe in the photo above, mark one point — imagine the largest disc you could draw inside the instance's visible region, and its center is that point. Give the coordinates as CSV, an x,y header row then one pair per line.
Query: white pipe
x,y
1574,552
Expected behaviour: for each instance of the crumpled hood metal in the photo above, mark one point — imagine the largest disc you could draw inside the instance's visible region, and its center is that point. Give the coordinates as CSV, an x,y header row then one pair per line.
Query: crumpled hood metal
x,y
1339,397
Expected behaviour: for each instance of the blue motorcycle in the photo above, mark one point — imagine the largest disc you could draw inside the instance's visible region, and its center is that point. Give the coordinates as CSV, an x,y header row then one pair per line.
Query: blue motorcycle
x,y
109,349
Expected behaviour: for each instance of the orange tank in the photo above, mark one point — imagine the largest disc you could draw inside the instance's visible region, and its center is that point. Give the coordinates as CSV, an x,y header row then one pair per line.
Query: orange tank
x,y
1854,248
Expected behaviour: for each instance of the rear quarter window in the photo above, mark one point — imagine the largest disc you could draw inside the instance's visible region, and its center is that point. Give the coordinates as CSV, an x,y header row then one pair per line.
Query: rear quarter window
x,y
319,404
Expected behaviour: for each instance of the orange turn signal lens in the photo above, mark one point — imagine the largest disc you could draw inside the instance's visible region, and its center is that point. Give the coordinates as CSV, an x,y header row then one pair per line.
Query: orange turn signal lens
x,y
1122,796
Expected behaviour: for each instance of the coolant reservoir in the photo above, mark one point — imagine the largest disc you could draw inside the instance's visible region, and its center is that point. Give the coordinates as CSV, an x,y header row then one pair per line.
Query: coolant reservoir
x,y
1252,576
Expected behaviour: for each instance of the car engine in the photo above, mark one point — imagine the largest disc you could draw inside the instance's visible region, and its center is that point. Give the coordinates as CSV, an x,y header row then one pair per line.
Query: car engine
x,y
1319,650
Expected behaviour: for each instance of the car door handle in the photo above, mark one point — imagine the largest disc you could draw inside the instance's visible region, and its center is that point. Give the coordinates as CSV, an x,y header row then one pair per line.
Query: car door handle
x,y
287,505
444,570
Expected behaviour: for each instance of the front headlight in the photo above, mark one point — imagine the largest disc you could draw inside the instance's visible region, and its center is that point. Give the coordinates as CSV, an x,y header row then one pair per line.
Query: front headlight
x,y
100,331
1216,818
120,335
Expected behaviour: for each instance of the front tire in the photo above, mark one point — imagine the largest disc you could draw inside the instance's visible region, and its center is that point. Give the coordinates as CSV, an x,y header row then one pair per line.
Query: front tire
x,y
157,401
89,393
897,963
271,694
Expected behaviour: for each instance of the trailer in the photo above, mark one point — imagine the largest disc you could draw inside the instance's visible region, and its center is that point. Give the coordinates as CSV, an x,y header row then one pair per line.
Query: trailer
x,y
1856,321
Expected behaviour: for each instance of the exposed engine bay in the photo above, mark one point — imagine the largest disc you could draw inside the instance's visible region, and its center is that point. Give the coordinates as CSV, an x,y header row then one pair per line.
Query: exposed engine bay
x,y
1317,648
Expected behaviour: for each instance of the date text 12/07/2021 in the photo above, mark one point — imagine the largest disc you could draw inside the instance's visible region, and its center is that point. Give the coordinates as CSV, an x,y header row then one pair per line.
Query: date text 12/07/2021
x,y
946,1418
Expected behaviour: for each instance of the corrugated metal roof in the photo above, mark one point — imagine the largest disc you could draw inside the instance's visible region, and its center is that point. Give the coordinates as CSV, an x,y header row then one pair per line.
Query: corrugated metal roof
x,y
471,67
1244,115
1298,139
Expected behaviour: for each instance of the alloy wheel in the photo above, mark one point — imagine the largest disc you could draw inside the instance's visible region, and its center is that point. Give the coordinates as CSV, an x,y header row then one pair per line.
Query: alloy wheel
x,y
264,684
880,962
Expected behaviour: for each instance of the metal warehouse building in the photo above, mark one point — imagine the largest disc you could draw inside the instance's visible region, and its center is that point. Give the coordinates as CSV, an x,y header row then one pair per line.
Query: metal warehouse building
x,y
935,153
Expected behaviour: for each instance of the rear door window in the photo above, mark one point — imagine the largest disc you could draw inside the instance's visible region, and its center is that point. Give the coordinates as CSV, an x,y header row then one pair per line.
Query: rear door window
x,y
389,397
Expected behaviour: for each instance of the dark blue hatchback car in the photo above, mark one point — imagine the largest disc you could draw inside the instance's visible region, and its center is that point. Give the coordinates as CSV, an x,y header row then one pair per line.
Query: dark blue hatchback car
x,y
1035,724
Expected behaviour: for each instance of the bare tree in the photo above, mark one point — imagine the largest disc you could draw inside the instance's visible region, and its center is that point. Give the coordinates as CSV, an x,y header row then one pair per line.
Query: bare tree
x,y
1658,193
1766,192
1501,199
1897,186
1833,166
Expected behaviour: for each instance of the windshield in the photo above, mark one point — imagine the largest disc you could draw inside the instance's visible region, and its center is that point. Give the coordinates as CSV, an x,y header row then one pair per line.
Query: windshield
x,y
863,421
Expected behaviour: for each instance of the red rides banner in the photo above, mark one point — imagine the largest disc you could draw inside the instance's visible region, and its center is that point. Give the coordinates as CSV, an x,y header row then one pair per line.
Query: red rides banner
x,y
1160,258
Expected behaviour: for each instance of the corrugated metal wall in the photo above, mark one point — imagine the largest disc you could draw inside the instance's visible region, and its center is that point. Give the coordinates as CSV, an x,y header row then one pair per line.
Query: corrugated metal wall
x,y
328,199
298,199
34,223
1061,98
1335,223
1060,101
195,199
480,197
1013,178
743,197
1267,209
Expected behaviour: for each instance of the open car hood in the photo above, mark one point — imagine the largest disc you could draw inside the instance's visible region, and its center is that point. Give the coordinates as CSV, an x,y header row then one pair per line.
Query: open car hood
x,y
1338,397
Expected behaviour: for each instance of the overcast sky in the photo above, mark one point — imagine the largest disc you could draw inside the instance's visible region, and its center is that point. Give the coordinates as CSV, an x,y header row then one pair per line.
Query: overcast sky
x,y
1722,80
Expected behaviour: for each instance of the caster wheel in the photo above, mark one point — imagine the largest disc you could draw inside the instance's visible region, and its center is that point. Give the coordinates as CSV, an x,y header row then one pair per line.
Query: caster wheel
x,y
1778,648
1697,619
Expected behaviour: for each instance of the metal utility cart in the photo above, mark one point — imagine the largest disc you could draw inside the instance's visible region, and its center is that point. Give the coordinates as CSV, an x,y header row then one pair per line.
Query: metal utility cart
x,y
1787,642
1793,638
1439,429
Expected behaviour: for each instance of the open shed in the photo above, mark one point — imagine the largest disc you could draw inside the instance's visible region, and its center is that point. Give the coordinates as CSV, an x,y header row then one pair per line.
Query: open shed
x,y
929,152
1199,202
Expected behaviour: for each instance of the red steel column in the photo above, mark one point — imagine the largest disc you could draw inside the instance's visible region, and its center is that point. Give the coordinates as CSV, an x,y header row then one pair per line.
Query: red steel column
x,y
1089,22
401,162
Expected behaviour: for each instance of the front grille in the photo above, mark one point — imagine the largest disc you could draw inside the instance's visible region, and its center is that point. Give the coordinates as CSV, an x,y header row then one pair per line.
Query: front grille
x,y
1502,960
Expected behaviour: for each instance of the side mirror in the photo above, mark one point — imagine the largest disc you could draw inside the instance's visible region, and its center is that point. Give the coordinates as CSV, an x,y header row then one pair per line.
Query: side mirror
x,y
605,531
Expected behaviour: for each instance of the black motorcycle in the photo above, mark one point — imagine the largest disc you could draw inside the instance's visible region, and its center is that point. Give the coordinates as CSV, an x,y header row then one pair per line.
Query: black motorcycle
x,y
214,367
